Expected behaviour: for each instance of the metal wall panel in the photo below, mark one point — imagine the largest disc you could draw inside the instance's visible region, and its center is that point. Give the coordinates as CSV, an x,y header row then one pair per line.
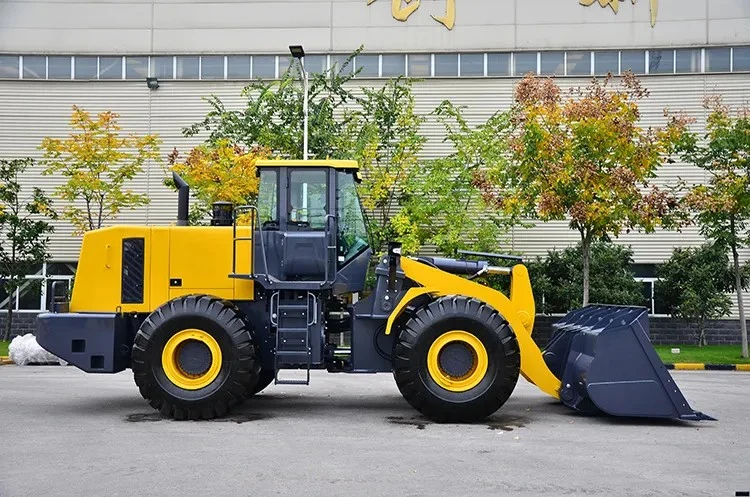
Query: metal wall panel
x,y
32,110
179,26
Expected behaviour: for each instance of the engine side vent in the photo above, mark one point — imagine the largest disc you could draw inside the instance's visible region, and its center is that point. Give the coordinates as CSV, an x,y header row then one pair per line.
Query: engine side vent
x,y
133,253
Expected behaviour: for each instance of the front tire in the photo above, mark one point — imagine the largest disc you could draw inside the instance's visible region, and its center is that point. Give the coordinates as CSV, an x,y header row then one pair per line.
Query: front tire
x,y
193,358
265,378
456,360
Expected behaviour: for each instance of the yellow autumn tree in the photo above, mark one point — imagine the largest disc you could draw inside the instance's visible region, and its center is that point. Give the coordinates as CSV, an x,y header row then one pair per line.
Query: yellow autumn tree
x,y
97,162
222,171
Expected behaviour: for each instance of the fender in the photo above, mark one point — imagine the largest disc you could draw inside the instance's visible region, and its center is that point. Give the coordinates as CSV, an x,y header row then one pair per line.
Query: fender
x,y
518,311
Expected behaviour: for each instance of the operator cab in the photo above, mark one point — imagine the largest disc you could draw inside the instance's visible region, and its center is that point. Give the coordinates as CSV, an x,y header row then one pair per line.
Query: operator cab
x,y
309,228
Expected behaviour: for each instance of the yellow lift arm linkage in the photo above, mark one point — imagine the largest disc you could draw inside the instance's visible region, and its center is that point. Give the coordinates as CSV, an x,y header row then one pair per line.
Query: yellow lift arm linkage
x,y
518,311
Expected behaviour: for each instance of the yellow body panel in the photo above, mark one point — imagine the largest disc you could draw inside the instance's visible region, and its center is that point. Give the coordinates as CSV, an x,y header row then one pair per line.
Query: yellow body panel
x,y
199,256
518,311
337,164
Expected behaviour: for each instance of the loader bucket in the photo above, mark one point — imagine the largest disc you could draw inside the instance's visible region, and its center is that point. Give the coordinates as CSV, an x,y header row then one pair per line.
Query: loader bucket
x,y
605,361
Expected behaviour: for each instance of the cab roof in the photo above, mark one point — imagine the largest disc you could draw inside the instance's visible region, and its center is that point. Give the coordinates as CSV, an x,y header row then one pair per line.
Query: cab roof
x,y
338,164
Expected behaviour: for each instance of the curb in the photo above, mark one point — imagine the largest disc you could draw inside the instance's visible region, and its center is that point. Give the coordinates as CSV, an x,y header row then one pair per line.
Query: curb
x,y
4,359
697,366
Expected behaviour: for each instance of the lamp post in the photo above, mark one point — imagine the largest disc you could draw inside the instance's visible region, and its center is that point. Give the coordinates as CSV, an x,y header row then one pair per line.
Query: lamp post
x,y
299,53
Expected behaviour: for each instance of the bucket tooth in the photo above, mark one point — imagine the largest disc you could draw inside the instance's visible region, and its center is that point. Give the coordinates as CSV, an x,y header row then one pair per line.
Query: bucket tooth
x,y
604,359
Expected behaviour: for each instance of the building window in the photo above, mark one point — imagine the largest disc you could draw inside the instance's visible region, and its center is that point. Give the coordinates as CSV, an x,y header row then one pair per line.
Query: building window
x,y
241,67
523,63
553,63
58,67
110,67
339,64
604,63
717,60
741,59
687,61
136,67
212,67
420,65
393,65
35,67
446,64
238,67
85,67
472,64
162,67
366,66
661,61
633,61
498,64
9,66
33,292
264,66
316,64
188,67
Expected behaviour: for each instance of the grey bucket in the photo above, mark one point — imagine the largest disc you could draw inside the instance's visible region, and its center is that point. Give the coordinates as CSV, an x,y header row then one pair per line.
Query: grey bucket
x,y
603,356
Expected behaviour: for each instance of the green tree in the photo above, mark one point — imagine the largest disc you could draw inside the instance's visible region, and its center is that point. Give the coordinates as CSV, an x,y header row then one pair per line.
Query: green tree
x,y
722,205
693,285
97,162
377,127
448,208
387,143
586,160
558,278
272,115
23,230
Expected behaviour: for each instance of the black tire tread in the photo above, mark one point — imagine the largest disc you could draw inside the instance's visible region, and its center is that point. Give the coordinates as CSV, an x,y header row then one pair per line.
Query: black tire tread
x,y
407,348
235,389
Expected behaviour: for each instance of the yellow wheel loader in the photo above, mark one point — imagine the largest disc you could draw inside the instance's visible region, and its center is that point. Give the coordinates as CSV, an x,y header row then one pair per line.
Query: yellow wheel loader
x,y
207,316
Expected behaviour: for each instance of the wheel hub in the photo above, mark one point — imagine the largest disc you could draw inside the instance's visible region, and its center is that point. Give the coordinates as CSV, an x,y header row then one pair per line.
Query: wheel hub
x,y
457,361
191,359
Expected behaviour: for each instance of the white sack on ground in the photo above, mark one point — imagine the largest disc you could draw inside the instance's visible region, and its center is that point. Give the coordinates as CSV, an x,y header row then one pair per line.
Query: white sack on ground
x,y
24,350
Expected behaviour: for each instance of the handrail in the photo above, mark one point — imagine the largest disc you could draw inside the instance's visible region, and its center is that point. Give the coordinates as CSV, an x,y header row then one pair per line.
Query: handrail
x,y
254,215
332,257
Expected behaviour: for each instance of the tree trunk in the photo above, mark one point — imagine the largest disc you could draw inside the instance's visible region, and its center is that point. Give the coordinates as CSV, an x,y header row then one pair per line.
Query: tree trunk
x,y
740,304
586,249
701,334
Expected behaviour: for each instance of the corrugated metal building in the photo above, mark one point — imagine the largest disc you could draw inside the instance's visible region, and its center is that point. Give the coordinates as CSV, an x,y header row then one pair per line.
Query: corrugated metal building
x,y
98,53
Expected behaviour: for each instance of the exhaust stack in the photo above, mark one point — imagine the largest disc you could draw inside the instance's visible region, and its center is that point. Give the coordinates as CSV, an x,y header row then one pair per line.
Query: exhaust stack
x,y
183,195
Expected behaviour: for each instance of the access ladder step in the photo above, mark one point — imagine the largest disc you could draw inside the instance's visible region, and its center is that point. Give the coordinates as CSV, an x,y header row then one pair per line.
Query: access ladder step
x,y
292,306
292,382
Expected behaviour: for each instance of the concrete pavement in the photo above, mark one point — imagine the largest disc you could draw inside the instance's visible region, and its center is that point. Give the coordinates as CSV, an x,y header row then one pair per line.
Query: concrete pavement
x,y
67,433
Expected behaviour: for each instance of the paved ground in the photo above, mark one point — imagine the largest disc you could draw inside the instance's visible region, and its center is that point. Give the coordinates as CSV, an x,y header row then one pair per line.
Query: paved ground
x,y
66,433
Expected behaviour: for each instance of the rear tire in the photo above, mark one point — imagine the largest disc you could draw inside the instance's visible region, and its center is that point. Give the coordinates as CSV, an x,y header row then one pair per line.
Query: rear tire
x,y
481,365
205,381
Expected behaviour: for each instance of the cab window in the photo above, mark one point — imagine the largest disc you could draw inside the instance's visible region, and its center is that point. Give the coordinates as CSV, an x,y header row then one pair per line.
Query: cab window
x,y
352,231
308,205
268,198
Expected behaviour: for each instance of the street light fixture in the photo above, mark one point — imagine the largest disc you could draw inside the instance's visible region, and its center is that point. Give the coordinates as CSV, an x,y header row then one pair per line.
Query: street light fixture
x,y
299,53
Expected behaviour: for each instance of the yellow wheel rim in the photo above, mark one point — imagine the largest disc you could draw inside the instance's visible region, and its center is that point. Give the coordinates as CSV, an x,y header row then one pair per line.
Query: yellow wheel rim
x,y
170,360
476,371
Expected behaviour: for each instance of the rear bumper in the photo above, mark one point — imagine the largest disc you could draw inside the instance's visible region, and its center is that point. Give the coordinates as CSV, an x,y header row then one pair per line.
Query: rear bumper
x,y
95,343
